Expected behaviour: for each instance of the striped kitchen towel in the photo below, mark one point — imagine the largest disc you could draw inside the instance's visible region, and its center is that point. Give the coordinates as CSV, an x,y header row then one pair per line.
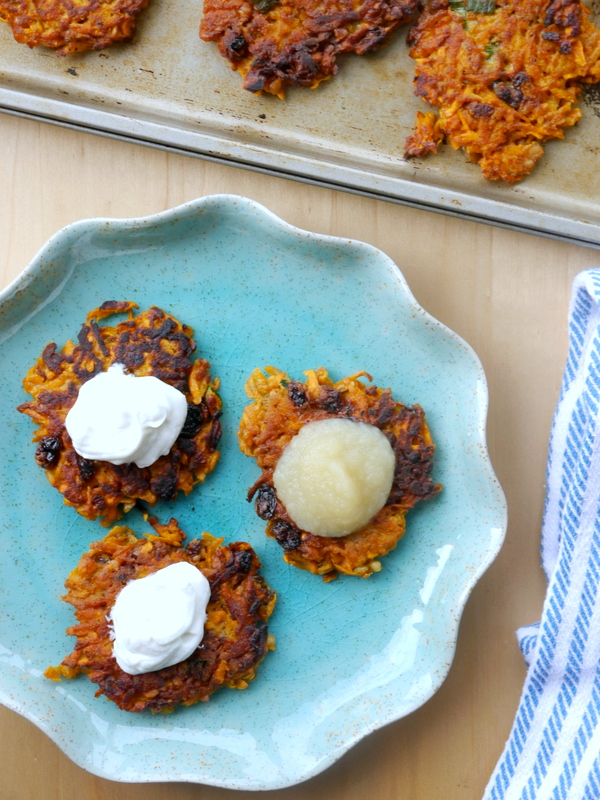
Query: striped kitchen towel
x,y
553,752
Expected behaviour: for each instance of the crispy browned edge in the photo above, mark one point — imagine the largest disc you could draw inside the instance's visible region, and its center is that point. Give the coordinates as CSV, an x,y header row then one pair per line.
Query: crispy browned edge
x,y
280,408
151,343
297,42
236,637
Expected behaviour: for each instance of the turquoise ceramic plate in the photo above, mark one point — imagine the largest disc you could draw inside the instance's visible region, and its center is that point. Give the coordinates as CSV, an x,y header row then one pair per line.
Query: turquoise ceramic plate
x,y
352,655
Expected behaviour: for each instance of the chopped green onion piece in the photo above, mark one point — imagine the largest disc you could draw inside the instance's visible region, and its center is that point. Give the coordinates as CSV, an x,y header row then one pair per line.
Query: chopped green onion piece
x,y
264,5
458,7
490,49
481,6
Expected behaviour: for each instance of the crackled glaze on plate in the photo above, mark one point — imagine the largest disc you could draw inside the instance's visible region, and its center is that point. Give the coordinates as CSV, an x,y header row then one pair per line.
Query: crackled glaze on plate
x,y
352,655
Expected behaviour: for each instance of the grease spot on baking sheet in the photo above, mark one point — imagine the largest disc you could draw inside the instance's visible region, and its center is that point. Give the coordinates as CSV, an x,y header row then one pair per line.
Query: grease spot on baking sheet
x,y
591,98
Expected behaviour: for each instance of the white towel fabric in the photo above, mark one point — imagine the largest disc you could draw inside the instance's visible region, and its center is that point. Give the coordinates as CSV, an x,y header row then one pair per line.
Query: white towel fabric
x,y
553,752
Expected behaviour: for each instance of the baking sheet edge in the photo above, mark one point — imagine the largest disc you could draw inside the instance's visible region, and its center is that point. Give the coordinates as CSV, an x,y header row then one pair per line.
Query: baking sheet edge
x,y
296,167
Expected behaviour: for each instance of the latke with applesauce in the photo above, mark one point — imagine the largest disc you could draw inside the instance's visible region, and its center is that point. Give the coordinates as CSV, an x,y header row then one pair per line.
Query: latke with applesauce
x,y
280,409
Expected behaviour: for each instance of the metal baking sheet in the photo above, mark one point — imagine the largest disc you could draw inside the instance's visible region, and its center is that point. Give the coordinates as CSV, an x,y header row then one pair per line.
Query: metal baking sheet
x,y
169,89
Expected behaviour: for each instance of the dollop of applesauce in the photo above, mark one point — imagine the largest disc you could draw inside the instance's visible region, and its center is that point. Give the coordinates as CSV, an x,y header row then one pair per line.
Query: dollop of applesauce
x,y
335,475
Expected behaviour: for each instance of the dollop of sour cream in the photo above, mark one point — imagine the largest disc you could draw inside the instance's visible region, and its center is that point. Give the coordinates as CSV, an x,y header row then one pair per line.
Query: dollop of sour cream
x,y
159,620
335,475
121,418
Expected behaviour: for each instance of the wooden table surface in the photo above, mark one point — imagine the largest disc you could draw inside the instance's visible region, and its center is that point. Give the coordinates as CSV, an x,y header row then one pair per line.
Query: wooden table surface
x,y
506,293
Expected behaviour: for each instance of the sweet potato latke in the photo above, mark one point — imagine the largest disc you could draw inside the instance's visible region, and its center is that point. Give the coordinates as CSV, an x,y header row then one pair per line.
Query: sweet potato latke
x,y
279,43
69,26
280,408
504,74
152,343
236,637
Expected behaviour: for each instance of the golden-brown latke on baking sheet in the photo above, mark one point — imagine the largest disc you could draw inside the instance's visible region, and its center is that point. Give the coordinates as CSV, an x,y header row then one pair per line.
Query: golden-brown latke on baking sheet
x,y
71,26
279,43
280,408
151,343
236,637
505,76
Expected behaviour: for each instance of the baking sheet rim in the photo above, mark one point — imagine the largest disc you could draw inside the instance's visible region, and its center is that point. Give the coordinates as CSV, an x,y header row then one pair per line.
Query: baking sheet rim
x,y
319,172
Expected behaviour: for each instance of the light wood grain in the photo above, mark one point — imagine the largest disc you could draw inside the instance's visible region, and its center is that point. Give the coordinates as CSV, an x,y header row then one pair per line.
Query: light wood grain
x,y
506,293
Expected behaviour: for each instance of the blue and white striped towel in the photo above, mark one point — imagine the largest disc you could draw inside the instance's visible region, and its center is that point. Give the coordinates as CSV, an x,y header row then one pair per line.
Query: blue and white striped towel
x,y
553,752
